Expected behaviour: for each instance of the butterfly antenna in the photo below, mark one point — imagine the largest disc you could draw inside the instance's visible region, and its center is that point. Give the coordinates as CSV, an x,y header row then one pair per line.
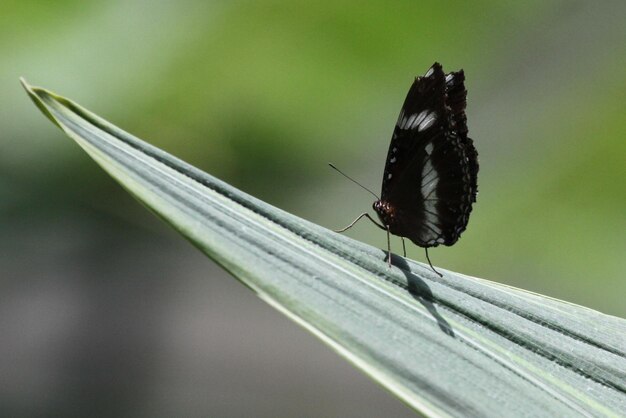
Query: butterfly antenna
x,y
353,180
431,264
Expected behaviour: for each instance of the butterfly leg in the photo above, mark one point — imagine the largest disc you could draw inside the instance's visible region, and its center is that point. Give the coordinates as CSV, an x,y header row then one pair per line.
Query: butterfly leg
x,y
385,228
363,215
431,264
388,247
403,246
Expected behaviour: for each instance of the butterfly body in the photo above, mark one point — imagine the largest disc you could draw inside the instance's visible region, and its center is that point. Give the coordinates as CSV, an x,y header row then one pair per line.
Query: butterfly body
x,y
430,177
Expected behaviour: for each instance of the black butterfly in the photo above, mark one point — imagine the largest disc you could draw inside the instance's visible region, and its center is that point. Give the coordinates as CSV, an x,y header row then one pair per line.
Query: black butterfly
x,y
429,183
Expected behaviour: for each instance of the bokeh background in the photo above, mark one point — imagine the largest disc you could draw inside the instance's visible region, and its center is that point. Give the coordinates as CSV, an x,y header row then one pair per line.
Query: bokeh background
x,y
104,310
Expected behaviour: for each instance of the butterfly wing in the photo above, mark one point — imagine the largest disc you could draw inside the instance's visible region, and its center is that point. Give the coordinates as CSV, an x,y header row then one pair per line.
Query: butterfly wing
x,y
431,169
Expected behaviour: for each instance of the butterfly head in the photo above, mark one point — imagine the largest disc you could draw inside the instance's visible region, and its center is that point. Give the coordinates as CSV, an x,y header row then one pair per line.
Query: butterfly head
x,y
386,212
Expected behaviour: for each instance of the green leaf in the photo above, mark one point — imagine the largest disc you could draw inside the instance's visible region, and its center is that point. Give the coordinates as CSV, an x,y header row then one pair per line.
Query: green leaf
x,y
455,345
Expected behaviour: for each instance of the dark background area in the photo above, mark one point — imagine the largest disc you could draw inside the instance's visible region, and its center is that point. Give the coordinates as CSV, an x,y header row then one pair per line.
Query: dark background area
x,y
104,310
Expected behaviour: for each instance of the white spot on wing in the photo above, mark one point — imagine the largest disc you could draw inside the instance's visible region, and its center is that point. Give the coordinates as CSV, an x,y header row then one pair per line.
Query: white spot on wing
x,y
410,121
389,176
429,72
418,118
429,148
431,219
427,122
422,121
449,78
429,182
392,160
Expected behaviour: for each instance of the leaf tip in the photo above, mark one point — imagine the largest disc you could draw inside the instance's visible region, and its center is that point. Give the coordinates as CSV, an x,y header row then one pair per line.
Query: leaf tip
x,y
24,83
35,95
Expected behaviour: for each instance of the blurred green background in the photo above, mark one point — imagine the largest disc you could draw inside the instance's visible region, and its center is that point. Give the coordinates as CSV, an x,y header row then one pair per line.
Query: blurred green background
x,y
105,309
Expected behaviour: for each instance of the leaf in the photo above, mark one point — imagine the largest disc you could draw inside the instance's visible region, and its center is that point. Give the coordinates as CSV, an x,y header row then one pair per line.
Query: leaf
x,y
455,345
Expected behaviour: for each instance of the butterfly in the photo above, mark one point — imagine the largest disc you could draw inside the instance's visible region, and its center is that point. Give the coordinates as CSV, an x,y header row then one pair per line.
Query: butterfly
x,y
430,178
